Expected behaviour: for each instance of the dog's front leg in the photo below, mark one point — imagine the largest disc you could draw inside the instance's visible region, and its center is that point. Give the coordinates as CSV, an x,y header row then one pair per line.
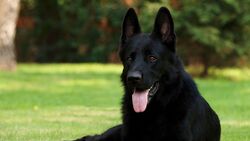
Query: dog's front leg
x,y
112,134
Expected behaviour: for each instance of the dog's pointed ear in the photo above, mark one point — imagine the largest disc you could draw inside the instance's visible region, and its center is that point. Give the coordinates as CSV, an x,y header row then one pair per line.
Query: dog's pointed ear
x,y
164,27
130,26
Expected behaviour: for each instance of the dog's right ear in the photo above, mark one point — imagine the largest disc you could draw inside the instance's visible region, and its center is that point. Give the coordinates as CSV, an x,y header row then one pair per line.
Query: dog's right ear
x,y
164,28
130,26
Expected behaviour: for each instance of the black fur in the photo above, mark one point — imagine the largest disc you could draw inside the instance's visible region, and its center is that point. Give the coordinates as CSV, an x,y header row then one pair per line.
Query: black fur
x,y
177,111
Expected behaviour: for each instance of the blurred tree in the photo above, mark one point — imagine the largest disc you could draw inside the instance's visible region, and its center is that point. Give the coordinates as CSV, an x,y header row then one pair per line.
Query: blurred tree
x,y
67,31
214,33
76,31
210,32
8,15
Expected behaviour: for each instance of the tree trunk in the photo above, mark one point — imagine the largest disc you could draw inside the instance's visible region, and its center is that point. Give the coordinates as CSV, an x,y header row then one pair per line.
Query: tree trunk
x,y
8,15
206,64
204,72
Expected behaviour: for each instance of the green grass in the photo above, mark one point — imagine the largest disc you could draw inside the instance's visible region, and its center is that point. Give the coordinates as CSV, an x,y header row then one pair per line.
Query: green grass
x,y
66,101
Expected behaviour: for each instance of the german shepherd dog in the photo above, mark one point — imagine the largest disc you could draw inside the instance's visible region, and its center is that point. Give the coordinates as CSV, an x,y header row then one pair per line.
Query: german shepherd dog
x,y
161,101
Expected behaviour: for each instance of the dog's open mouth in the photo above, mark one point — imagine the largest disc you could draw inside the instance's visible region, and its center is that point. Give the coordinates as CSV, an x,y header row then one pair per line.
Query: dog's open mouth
x,y
141,98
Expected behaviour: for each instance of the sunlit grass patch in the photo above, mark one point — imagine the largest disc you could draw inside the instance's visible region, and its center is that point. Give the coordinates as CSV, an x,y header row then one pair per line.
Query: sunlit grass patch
x,y
231,73
69,68
236,74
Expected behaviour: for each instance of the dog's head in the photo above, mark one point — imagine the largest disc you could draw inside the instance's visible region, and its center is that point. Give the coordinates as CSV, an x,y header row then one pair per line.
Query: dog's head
x,y
146,57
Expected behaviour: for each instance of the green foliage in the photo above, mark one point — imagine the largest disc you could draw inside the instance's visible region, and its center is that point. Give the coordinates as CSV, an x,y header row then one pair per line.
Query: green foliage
x,y
209,32
67,31
220,28
62,102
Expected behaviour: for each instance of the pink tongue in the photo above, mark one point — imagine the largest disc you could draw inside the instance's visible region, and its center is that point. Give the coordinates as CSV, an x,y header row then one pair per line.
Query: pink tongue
x,y
140,100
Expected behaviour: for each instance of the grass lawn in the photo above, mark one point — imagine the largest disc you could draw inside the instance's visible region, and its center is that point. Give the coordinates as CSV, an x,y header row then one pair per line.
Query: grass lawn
x,y
65,101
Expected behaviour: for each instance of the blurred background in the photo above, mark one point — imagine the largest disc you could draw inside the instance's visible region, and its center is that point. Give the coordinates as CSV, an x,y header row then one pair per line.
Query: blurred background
x,y
210,33
58,59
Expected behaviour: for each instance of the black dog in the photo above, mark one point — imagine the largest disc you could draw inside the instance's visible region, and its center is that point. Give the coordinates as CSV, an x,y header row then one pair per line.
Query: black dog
x,y
161,101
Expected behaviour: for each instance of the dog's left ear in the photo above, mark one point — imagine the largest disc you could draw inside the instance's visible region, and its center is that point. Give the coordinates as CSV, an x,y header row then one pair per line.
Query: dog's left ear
x,y
164,28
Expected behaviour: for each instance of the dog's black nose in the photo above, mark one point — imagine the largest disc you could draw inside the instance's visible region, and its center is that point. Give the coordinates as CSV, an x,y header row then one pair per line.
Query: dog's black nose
x,y
134,76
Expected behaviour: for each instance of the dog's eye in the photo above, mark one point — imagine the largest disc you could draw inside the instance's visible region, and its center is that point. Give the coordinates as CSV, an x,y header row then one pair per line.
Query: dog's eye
x,y
129,59
152,59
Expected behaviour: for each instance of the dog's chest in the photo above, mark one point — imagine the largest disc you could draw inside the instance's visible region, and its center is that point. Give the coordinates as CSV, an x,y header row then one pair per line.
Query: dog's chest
x,y
156,127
